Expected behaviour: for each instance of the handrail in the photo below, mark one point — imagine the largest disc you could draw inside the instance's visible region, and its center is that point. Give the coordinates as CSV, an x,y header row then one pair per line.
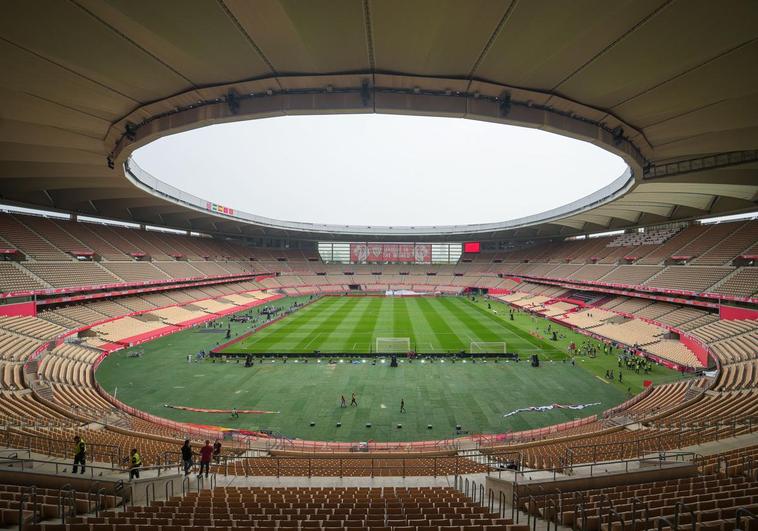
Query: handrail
x,y
662,456
605,498
14,438
66,490
21,502
663,520
23,462
582,510
742,511
531,506
35,507
148,487
551,503
636,500
680,505
166,485
92,488
612,512
99,501
748,465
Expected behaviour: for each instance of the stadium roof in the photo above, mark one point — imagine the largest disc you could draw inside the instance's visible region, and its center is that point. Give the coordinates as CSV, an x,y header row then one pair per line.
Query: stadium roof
x,y
670,86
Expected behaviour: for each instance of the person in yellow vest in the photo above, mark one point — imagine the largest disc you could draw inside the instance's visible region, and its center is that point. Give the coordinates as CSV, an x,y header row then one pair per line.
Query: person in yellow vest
x,y
134,464
80,453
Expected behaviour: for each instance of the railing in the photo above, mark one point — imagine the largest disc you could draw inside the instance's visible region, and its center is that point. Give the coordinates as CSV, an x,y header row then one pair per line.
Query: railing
x,y
600,452
589,469
735,422
635,502
325,447
661,520
580,508
742,511
94,470
66,494
681,506
103,453
26,494
347,466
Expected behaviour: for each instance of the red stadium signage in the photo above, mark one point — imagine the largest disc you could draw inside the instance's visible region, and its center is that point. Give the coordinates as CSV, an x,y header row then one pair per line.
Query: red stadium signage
x,y
407,253
471,247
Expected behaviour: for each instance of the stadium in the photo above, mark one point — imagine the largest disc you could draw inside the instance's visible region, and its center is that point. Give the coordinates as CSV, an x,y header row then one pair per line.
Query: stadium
x,y
590,364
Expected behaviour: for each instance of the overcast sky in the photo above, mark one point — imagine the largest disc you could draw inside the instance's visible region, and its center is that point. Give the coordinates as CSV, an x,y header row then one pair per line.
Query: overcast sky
x,y
380,169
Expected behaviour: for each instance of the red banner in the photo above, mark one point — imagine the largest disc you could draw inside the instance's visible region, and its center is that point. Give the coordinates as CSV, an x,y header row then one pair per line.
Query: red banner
x,y
410,253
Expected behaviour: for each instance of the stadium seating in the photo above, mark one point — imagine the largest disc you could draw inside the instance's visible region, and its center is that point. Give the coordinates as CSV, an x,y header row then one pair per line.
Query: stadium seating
x,y
742,283
712,500
66,369
31,327
47,504
386,509
18,235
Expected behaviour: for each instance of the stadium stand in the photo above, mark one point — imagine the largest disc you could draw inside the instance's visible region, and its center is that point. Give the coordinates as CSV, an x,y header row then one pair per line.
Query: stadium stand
x,y
667,86
71,274
311,508
27,241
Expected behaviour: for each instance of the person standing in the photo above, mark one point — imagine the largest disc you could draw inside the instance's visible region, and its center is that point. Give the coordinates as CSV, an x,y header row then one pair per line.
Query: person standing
x,y
353,401
187,457
205,458
343,403
135,462
80,454
402,405
235,415
217,452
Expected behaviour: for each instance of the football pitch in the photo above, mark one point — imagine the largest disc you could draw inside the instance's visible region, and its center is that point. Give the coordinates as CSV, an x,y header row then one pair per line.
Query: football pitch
x,y
353,325
476,396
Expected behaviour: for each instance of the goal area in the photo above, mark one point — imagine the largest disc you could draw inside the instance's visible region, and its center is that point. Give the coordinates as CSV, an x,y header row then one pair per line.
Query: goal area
x,y
487,347
393,345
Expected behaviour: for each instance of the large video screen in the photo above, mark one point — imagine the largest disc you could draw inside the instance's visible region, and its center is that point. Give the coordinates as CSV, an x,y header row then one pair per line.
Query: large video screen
x,y
418,253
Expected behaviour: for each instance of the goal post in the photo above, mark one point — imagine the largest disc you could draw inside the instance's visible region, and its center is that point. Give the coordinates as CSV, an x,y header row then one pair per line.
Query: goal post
x,y
488,347
393,345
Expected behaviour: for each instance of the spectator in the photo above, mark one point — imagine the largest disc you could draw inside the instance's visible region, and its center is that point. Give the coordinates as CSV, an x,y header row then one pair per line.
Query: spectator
x,y
187,457
80,454
134,464
205,458
217,451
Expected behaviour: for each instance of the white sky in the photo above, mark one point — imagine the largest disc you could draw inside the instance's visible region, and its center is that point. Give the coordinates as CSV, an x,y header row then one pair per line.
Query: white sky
x,y
373,169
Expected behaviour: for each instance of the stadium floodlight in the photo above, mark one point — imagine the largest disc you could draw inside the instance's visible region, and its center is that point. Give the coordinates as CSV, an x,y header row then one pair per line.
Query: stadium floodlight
x,y
393,345
487,347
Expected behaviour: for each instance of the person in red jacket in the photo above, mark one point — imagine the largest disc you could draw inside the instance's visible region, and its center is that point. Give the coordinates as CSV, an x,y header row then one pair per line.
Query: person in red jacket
x,y
206,452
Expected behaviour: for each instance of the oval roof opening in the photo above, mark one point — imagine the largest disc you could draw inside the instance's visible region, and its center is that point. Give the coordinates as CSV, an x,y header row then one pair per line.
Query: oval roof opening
x,y
380,170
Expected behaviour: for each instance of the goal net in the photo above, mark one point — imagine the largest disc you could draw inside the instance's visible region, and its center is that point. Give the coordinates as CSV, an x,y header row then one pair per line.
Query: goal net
x,y
393,345
487,347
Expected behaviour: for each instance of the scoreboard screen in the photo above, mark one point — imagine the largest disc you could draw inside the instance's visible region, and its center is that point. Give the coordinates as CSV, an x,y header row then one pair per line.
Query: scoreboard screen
x,y
471,247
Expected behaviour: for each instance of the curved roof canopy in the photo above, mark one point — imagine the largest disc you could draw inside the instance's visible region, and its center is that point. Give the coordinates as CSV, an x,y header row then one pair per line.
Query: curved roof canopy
x,y
670,86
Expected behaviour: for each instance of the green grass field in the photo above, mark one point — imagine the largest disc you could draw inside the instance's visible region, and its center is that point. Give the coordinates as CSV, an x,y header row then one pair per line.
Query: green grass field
x,y
352,324
476,396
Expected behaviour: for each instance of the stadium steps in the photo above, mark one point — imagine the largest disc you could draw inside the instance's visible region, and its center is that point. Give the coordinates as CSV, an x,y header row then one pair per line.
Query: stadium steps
x,y
659,273
28,272
718,284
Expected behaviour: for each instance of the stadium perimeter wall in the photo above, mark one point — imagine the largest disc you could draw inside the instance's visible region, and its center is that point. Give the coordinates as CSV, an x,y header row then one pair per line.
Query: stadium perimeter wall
x,y
733,312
